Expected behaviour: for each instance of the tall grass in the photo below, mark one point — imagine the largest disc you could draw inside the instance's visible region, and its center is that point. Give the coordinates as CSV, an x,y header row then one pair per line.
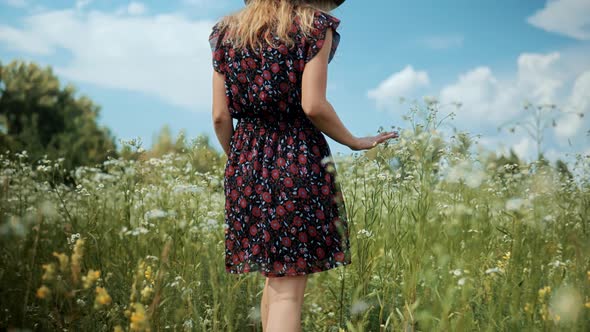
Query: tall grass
x,y
443,238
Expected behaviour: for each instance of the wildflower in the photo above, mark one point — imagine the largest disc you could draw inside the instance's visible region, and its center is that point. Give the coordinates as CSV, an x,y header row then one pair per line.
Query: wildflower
x,y
456,272
528,308
461,281
118,328
148,274
43,292
155,214
587,304
76,258
359,307
90,278
492,270
138,318
102,297
146,293
49,273
514,204
544,291
63,261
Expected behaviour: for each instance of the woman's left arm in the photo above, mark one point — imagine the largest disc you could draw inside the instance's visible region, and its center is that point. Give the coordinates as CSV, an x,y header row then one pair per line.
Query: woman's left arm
x,y
222,121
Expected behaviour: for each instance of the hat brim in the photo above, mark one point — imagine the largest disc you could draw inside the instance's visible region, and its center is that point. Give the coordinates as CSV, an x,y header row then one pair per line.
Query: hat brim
x,y
337,3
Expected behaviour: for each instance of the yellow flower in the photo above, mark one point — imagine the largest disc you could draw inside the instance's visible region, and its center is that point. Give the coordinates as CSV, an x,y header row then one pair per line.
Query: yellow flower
x,y
118,328
588,273
587,305
43,292
76,259
544,291
90,279
146,292
528,308
63,261
49,273
138,318
148,273
102,297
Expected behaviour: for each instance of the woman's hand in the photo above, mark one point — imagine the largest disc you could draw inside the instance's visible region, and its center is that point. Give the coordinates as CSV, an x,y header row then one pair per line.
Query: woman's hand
x,y
369,142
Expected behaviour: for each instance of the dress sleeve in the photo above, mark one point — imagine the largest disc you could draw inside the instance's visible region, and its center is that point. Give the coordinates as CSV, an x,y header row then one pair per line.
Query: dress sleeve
x,y
217,52
322,22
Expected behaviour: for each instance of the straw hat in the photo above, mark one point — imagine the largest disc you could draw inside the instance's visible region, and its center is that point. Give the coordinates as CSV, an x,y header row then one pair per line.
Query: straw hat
x,y
336,2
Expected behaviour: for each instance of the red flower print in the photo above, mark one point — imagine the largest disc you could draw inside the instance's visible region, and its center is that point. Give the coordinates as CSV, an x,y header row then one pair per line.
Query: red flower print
x,y
275,224
328,240
277,266
320,43
301,263
283,49
229,244
251,63
281,162
253,230
248,191
266,75
259,189
302,237
282,106
325,190
234,194
286,241
256,249
292,77
266,235
320,253
302,159
297,221
289,206
315,168
293,169
266,197
339,256
242,255
242,78
237,225
239,181
319,214
275,68
275,174
281,210
234,89
288,182
259,80
301,192
232,52
312,232
316,150
256,212
245,243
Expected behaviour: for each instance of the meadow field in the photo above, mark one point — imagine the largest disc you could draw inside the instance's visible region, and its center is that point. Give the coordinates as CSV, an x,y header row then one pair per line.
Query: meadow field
x,y
444,237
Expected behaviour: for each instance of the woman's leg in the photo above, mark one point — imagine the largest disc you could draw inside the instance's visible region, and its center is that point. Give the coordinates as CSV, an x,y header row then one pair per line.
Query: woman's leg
x,y
285,300
264,306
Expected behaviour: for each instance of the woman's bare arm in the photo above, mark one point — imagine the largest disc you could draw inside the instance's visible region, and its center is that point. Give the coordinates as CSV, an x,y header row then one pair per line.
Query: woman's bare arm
x,y
222,121
320,111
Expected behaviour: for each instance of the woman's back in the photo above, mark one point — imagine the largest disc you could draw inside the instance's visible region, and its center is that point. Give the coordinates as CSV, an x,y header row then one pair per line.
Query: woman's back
x,y
265,81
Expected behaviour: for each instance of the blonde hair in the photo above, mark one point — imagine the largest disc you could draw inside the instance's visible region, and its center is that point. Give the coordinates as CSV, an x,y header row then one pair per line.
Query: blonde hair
x,y
268,17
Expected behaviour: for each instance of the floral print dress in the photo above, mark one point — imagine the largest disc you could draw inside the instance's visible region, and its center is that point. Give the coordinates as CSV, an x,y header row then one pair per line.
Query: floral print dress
x,y
284,210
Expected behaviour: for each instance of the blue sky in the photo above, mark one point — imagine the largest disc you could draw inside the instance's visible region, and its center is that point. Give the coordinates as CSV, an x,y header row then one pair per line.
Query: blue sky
x,y
147,63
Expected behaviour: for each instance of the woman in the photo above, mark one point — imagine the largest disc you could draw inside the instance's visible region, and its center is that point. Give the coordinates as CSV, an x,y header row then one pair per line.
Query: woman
x,y
285,214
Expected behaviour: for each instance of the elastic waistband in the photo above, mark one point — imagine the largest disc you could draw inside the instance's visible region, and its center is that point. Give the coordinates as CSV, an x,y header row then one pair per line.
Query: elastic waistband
x,y
273,123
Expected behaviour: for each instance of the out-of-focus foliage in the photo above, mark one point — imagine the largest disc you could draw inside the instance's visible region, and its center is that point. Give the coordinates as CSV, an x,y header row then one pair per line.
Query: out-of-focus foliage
x,y
39,116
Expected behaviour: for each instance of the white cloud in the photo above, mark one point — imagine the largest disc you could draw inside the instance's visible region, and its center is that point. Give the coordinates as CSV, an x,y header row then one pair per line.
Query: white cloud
x,y
567,17
578,103
136,8
163,55
398,85
443,42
